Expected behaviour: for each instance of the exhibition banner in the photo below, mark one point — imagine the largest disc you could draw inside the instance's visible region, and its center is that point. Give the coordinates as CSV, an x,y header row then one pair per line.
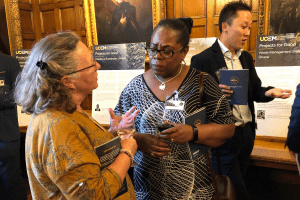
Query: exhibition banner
x,y
21,55
277,65
120,63
197,45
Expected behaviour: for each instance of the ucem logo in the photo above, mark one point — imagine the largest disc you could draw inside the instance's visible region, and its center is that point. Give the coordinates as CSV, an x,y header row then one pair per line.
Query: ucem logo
x,y
271,38
100,48
268,38
22,52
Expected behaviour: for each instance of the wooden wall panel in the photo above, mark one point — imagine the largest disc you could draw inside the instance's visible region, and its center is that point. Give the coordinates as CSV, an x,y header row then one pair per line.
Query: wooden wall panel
x,y
68,21
47,22
26,25
50,16
194,9
24,1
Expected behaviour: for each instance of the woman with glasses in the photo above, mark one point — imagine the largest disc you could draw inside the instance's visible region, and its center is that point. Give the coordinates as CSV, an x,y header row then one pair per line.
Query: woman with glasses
x,y
61,138
159,175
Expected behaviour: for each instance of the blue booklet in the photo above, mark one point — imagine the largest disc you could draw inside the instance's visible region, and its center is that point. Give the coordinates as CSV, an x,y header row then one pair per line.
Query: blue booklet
x,y
195,118
237,80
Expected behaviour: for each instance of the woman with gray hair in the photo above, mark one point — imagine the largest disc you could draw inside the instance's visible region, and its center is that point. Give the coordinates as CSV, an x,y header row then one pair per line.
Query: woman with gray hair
x,y
60,157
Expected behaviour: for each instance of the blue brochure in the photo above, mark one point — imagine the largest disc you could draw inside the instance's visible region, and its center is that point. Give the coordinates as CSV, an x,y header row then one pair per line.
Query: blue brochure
x,y
237,80
198,117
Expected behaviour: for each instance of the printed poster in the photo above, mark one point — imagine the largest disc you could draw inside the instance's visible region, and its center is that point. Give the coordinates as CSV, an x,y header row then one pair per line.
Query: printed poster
x,y
197,45
120,63
278,65
22,55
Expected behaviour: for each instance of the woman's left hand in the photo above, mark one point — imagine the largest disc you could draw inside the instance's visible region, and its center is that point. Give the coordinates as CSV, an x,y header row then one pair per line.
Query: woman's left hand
x,y
115,119
179,134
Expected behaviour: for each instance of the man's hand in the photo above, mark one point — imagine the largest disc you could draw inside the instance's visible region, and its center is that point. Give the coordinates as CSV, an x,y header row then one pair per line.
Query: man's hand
x,y
226,90
278,93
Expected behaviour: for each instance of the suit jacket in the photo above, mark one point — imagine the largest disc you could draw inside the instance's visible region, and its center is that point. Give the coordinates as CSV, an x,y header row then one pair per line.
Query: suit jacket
x,y
212,59
9,126
293,137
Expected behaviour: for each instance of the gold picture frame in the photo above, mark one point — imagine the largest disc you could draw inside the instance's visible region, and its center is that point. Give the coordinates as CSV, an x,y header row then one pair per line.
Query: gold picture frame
x,y
264,17
158,13
13,24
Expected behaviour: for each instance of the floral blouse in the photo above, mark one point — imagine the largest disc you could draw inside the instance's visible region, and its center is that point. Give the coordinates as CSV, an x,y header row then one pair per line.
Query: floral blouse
x,y
61,161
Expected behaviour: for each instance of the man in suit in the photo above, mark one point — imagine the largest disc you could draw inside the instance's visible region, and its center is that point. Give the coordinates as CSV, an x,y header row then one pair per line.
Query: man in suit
x,y
12,185
226,53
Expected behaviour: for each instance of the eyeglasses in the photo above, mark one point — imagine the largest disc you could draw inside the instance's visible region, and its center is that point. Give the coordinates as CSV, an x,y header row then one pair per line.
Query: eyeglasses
x,y
94,65
163,53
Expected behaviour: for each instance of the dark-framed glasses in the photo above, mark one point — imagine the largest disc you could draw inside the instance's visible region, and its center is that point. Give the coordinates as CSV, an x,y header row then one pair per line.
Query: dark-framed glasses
x,y
163,53
94,65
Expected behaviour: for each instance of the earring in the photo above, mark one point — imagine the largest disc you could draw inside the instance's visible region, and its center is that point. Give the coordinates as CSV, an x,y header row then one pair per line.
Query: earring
x,y
183,63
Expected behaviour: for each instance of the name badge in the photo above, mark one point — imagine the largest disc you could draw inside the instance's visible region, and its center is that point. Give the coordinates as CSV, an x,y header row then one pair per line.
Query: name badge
x,y
174,105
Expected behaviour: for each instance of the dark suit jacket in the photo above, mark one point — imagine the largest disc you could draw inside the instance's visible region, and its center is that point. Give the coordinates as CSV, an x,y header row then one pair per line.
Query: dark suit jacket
x,y
9,126
212,59
293,137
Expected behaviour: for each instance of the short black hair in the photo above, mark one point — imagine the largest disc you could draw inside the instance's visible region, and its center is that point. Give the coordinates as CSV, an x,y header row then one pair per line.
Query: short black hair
x,y
229,12
183,26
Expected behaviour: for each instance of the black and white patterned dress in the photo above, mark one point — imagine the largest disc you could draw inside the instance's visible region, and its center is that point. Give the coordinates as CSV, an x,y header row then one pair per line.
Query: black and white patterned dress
x,y
181,177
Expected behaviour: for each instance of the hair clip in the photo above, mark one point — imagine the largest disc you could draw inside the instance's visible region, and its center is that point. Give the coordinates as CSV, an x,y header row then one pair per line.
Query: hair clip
x,y
41,64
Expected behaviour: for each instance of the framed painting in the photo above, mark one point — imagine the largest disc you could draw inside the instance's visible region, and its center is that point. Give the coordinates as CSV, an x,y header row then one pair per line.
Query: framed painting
x,y
121,21
13,22
278,17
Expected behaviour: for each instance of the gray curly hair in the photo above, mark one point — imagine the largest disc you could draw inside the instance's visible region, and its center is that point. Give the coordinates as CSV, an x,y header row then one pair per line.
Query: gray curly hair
x,y
40,88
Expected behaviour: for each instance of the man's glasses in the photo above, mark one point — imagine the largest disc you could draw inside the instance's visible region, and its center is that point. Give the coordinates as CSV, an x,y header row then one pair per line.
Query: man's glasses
x,y
94,65
163,53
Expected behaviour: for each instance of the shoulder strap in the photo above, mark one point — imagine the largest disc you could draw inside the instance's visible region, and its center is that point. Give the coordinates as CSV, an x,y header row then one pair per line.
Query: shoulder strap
x,y
213,177
213,174
201,103
201,75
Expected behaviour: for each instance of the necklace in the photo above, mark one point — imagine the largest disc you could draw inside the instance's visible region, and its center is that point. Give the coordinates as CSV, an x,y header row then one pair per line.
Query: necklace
x,y
163,84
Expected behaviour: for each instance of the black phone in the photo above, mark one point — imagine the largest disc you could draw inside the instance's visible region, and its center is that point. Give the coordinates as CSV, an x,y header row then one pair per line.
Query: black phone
x,y
162,127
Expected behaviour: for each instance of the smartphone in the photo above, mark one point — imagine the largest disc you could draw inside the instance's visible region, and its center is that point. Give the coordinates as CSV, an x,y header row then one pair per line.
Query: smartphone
x,y
162,127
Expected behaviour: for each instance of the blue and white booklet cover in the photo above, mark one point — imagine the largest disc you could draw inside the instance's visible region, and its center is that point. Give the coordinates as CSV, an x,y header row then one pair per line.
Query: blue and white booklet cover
x,y
237,80
198,117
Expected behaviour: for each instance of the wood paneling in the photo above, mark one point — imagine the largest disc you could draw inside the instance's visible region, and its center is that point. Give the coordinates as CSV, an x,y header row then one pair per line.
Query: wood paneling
x,y
40,18
196,9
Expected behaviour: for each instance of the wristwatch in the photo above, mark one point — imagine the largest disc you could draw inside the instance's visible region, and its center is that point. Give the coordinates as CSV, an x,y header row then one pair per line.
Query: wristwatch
x,y
195,129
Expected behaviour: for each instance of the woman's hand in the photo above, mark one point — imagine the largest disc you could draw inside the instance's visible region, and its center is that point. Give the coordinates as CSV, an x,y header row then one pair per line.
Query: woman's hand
x,y
115,120
179,134
130,145
151,145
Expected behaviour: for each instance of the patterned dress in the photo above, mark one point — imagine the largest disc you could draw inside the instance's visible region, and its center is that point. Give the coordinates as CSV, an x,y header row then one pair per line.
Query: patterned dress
x,y
61,161
179,177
